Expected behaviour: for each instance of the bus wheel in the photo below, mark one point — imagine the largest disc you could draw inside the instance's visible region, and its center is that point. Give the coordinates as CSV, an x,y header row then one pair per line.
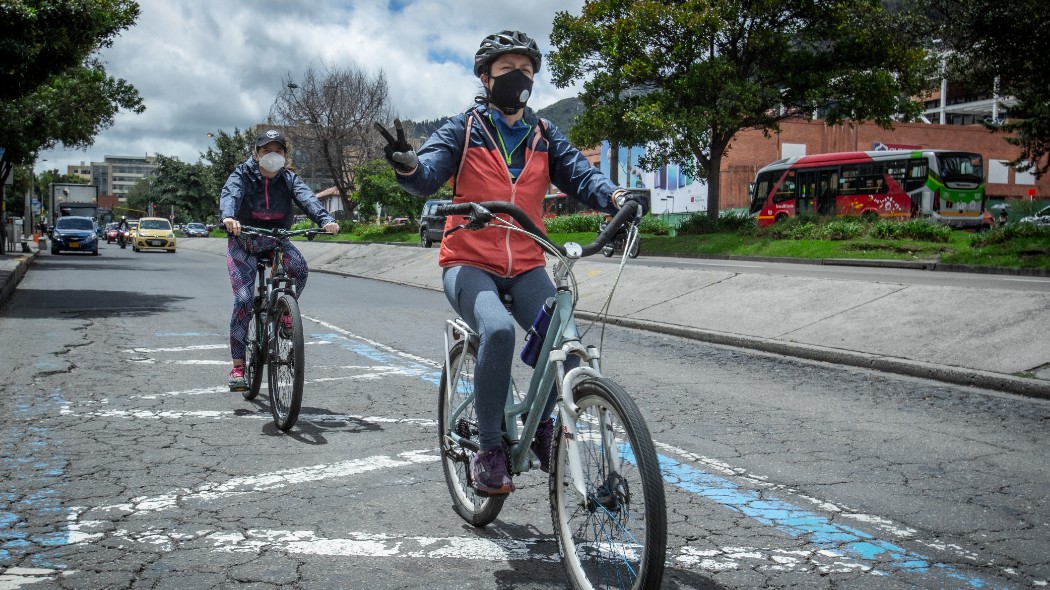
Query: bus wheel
x,y
869,217
780,218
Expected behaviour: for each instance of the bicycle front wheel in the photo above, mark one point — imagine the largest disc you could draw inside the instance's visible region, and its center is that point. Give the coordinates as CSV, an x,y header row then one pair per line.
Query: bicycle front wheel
x,y
455,459
286,366
615,535
255,354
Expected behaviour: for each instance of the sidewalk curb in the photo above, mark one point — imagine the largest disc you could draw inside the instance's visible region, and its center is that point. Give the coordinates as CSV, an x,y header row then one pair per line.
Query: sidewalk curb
x,y
8,286
1036,388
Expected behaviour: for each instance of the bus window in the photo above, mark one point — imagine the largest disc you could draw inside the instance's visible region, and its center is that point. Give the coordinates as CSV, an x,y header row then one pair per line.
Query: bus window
x,y
917,173
760,190
786,190
961,167
848,180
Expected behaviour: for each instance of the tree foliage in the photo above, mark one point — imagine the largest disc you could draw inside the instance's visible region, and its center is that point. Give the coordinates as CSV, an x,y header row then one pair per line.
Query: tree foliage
x,y
185,186
328,116
1002,43
229,151
683,77
51,90
40,39
377,189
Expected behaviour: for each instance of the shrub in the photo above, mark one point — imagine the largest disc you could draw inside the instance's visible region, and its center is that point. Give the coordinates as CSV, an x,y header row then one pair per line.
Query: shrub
x,y
839,229
653,225
728,221
927,231
369,231
575,223
1007,233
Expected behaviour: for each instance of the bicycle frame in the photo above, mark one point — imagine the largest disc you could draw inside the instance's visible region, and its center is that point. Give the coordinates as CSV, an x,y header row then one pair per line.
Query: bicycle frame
x,y
562,340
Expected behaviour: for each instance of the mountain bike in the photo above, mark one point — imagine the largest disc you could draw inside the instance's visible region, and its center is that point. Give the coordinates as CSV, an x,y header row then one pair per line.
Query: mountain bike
x,y
605,488
272,342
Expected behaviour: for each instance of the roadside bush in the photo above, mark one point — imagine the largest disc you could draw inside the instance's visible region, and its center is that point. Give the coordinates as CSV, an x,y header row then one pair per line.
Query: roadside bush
x,y
727,222
346,226
792,228
1008,233
575,223
371,232
927,231
653,225
839,229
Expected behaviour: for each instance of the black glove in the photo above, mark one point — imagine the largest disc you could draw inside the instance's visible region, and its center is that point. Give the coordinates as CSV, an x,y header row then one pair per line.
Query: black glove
x,y
398,151
642,198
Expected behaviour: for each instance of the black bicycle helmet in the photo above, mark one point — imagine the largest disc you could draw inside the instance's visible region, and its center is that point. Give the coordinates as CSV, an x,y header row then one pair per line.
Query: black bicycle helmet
x,y
503,42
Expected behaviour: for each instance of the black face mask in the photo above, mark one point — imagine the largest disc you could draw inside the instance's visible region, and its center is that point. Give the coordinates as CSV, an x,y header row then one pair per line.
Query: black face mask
x,y
511,91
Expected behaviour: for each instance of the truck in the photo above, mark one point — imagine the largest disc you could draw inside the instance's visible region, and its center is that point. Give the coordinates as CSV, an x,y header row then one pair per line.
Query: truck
x,y
72,199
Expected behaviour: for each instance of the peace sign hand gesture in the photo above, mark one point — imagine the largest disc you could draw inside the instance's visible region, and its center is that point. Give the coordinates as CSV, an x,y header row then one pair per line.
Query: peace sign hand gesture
x,y
398,151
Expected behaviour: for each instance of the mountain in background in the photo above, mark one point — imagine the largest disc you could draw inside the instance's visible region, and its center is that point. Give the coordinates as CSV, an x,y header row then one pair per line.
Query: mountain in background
x,y
561,114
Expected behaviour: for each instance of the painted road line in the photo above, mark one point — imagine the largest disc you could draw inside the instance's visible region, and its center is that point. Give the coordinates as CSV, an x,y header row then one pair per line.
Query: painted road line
x,y
309,417
884,557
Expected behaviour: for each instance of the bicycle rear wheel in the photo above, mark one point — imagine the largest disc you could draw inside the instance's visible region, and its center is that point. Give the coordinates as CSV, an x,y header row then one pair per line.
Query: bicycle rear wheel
x,y
616,535
286,366
455,459
254,354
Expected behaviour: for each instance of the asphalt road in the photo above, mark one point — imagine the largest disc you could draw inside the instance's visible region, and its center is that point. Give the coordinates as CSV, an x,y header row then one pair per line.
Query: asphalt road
x,y
127,464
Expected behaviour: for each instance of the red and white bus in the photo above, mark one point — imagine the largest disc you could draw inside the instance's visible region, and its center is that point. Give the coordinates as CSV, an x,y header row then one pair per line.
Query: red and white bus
x,y
945,186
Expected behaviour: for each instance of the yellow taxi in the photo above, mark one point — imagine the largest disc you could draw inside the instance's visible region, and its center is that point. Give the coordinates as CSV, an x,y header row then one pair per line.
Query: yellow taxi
x,y
153,233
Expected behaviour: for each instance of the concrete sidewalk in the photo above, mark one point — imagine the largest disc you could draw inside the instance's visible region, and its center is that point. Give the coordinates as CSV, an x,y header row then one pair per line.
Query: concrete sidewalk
x,y
953,334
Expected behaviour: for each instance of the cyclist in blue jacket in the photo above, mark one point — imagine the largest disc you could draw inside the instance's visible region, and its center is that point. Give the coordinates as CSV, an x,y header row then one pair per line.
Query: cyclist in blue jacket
x,y
260,192
499,150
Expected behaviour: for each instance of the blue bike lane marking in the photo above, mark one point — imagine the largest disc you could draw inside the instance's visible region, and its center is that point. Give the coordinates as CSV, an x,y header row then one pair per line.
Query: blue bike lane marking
x,y
801,523
35,504
883,557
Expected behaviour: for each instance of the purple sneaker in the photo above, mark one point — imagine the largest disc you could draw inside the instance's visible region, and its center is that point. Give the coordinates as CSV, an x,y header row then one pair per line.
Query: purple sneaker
x,y
489,470
541,445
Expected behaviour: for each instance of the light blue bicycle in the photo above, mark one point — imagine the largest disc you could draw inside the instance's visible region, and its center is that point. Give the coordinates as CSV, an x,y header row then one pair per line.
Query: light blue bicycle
x,y
606,493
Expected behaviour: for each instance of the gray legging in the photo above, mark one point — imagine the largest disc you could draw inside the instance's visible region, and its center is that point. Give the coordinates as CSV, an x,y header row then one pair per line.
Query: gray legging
x,y
474,295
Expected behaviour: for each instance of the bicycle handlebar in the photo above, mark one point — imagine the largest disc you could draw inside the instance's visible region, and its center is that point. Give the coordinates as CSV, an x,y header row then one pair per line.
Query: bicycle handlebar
x,y
480,214
279,233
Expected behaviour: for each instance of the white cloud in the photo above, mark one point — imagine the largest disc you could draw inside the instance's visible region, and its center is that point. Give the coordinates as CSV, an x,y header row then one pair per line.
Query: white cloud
x,y
203,65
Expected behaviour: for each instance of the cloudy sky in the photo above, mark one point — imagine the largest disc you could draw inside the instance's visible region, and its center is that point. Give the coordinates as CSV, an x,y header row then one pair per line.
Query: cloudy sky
x,y
204,65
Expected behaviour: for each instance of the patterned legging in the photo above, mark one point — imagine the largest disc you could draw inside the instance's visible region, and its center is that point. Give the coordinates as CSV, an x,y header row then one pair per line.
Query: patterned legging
x,y
241,254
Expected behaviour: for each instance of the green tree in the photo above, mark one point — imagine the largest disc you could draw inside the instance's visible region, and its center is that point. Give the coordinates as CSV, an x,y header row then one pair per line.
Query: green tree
x,y
184,186
378,188
700,71
1001,44
40,39
229,151
51,89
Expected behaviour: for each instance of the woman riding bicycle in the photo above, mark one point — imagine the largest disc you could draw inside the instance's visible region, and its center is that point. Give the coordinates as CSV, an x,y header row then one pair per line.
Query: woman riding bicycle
x,y
260,193
499,150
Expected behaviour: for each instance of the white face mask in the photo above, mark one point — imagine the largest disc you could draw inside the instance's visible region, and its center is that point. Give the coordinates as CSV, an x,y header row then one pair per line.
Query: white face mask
x,y
272,162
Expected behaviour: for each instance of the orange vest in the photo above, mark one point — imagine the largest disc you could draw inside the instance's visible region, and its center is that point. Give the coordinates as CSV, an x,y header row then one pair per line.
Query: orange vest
x,y
483,176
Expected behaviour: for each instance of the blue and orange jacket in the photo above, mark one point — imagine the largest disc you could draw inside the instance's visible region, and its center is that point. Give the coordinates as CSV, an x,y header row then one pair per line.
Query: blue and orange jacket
x,y
474,158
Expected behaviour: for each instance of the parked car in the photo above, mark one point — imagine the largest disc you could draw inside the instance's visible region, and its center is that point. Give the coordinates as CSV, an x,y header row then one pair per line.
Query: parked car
x,y
153,232
76,234
1041,217
195,230
431,225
